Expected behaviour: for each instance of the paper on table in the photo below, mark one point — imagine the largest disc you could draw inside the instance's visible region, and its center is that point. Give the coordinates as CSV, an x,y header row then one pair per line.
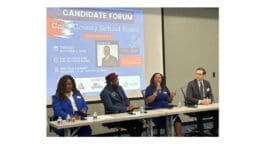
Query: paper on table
x,y
104,117
101,117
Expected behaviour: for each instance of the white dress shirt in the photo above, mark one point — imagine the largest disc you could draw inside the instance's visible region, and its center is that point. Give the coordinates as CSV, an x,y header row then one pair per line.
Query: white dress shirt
x,y
74,106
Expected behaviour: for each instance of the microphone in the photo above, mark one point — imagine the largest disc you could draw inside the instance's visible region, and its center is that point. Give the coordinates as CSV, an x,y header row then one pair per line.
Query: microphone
x,y
159,86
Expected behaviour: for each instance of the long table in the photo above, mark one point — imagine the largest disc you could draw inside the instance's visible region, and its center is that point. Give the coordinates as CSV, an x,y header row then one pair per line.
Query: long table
x,y
168,113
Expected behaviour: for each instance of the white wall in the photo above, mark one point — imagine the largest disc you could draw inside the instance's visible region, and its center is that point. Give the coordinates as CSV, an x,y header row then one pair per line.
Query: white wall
x,y
191,40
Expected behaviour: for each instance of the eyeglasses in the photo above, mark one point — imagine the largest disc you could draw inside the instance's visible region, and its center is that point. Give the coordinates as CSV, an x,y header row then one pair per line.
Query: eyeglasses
x,y
198,74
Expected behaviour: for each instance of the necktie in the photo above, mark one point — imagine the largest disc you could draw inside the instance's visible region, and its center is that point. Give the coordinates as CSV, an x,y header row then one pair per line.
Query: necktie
x,y
201,89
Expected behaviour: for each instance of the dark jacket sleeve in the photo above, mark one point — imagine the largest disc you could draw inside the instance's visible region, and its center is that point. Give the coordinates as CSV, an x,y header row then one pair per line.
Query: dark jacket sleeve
x,y
125,97
109,106
209,93
190,95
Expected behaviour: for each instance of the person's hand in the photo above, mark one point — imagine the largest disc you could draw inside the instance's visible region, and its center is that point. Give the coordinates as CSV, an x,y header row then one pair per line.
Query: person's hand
x,y
209,100
204,101
130,107
158,87
155,94
83,111
173,93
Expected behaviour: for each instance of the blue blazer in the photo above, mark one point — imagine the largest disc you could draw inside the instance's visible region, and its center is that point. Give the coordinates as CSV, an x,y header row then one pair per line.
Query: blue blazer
x,y
113,102
62,107
161,100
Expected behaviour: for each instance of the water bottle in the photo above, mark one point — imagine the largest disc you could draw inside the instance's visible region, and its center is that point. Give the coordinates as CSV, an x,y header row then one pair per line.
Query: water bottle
x,y
68,118
179,104
95,116
59,121
141,110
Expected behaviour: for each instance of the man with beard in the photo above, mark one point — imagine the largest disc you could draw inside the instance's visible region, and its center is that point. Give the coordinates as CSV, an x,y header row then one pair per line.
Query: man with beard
x,y
115,101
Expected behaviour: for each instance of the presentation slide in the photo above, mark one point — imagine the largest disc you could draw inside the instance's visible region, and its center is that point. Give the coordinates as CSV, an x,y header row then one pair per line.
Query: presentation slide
x,y
89,43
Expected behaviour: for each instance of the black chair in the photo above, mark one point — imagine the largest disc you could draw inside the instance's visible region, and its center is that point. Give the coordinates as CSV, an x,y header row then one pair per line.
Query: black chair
x,y
146,106
50,118
114,126
195,131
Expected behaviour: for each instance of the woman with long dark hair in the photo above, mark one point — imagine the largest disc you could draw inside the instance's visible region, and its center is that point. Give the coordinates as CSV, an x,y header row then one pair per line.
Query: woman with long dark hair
x,y
158,96
68,101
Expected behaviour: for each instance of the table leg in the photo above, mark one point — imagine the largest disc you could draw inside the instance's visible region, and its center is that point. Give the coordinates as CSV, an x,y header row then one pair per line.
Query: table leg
x,y
169,126
149,130
67,132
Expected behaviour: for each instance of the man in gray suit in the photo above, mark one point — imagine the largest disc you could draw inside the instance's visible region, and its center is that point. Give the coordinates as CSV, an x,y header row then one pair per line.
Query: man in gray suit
x,y
109,60
199,91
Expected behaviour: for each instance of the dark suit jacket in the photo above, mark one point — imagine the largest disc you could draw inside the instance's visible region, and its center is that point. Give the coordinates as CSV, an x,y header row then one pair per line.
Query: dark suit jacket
x,y
193,94
111,61
114,102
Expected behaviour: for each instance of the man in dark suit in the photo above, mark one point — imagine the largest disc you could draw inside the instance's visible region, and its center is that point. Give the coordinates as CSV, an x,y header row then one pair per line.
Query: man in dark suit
x,y
199,91
116,101
109,60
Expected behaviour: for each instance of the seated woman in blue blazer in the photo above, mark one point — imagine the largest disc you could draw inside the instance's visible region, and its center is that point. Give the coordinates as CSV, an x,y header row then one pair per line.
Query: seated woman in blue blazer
x,y
158,96
69,101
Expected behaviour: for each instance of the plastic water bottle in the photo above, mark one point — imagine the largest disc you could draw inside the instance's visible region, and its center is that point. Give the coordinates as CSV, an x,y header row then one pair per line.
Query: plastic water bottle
x,y
95,116
59,121
141,110
68,118
179,104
